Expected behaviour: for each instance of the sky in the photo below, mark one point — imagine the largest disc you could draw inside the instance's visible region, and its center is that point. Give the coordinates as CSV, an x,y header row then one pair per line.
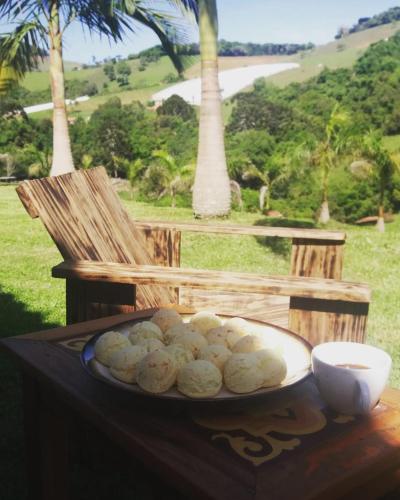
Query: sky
x,y
260,21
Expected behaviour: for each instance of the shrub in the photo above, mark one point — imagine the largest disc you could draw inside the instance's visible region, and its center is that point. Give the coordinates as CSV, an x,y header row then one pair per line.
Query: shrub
x,y
171,78
176,106
250,200
351,198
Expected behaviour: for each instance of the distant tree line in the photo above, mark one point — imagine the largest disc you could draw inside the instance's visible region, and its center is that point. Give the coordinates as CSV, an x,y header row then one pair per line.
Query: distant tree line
x,y
226,48
364,23
73,88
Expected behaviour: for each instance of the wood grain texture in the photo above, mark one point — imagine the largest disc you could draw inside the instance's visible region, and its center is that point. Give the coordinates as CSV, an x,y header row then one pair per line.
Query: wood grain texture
x,y
282,232
84,216
271,308
27,200
216,280
164,247
317,258
321,321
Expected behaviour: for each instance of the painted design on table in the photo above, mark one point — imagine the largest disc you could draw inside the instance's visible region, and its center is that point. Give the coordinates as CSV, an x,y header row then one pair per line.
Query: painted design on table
x,y
253,435
76,344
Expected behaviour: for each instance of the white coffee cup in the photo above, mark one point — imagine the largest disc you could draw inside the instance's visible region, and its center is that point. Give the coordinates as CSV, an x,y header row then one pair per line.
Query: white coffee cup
x,y
350,376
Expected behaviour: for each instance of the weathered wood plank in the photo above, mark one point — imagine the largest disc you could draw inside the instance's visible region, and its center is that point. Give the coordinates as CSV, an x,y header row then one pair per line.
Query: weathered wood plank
x,y
283,232
216,280
27,200
325,321
317,258
86,220
270,308
164,246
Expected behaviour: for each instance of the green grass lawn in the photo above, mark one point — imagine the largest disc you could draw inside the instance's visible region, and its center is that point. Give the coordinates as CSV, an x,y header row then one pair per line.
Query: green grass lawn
x,y
392,143
31,300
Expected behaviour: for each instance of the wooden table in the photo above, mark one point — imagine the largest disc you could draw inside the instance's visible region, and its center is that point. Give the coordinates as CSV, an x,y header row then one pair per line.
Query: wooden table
x,y
289,446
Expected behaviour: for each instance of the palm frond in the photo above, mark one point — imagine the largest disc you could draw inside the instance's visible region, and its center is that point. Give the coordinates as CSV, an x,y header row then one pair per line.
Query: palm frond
x,y
187,6
167,159
188,170
8,78
113,19
169,30
14,8
108,18
361,169
252,172
19,52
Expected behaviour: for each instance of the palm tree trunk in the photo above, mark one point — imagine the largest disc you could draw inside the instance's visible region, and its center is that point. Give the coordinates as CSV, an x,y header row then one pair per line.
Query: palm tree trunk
x,y
324,215
380,225
263,198
62,155
211,191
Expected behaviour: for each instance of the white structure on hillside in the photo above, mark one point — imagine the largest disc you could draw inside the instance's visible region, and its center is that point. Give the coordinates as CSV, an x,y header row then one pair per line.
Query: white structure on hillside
x,y
231,82
49,105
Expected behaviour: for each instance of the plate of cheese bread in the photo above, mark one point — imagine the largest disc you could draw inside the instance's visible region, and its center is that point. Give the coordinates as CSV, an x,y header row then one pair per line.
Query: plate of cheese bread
x,y
200,356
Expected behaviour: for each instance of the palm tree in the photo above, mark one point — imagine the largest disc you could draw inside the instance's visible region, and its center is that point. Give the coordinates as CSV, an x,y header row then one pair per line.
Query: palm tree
x,y
175,177
135,170
8,78
329,151
40,29
211,192
378,164
267,180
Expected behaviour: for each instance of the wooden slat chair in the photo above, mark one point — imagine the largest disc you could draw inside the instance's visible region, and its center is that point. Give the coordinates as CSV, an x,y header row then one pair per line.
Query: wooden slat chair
x,y
113,264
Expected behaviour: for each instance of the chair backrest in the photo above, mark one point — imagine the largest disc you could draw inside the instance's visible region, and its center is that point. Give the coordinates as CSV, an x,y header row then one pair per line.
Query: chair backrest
x,y
87,221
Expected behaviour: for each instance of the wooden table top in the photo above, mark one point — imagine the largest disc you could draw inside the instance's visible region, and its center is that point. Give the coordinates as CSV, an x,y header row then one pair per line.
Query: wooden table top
x,y
287,446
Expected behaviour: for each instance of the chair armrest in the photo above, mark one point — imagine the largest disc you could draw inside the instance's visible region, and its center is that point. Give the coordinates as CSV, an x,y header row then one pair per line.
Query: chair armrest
x,y
282,232
316,288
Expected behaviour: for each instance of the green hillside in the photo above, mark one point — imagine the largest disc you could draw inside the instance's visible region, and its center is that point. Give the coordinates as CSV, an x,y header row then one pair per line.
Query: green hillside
x,y
142,84
341,53
152,75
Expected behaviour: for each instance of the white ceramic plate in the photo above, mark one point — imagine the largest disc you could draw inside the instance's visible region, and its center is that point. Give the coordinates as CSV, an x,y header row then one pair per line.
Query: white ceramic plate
x,y
296,351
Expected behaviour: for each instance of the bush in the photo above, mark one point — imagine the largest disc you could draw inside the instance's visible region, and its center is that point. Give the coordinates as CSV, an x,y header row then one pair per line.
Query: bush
x,y
171,78
91,89
250,200
176,106
249,146
351,198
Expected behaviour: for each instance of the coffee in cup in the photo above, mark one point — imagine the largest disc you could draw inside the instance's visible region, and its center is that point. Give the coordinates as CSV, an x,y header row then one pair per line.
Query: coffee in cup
x,y
350,376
